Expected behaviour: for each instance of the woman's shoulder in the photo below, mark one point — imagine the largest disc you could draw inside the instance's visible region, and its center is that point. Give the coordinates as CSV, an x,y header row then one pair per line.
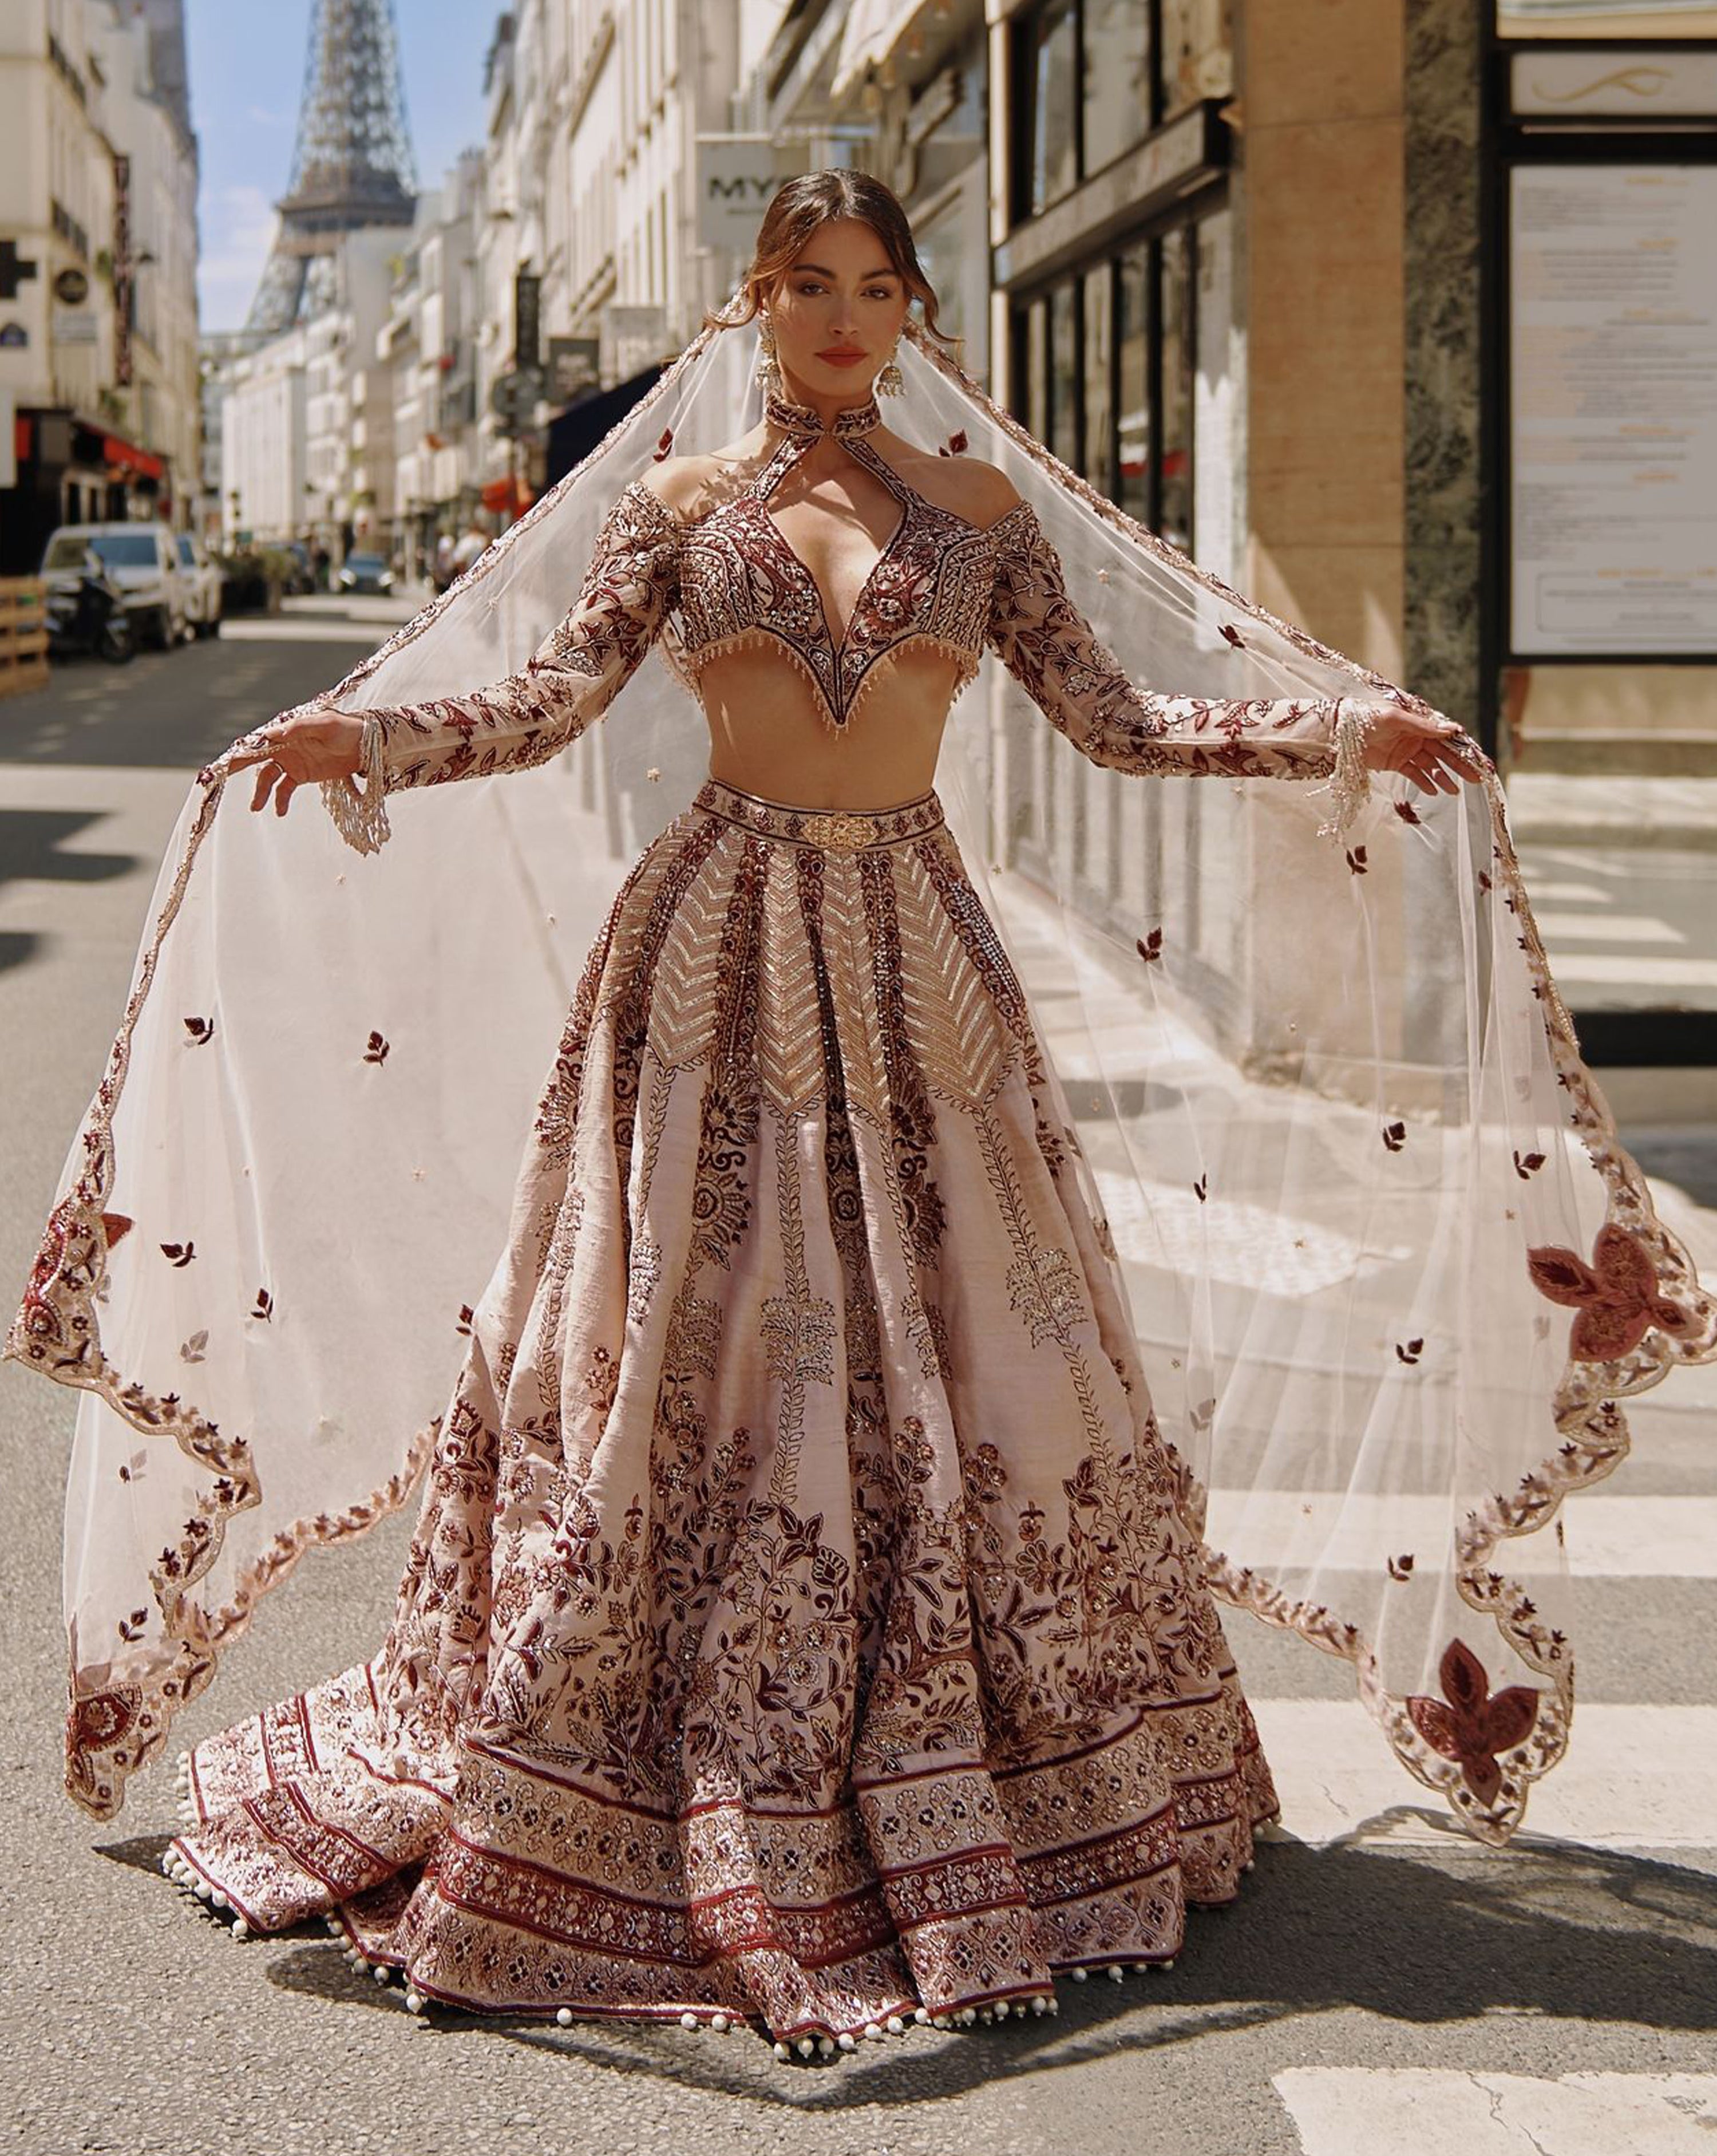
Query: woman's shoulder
x,y
979,491
688,487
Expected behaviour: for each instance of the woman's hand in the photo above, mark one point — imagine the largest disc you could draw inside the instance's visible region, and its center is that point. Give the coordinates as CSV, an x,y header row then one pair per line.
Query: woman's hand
x,y
298,752
1433,752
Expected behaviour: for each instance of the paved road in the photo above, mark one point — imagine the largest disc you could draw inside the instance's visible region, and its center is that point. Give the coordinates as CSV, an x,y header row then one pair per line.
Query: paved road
x,y
1383,1983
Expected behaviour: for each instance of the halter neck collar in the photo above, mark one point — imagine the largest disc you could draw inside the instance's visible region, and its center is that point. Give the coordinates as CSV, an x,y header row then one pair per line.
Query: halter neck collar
x,y
803,421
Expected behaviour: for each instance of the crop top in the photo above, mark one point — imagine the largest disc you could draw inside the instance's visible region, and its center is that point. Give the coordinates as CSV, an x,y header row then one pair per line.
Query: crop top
x,y
731,579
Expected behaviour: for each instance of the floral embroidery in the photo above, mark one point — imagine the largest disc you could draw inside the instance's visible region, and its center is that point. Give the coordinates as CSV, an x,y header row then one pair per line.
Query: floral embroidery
x,y
1616,1295
1470,1724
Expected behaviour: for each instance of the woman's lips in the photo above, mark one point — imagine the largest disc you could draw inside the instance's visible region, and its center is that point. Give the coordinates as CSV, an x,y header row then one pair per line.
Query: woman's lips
x,y
841,359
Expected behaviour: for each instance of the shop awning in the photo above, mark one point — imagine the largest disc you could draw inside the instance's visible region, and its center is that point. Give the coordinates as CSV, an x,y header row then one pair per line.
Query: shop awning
x,y
120,456
507,497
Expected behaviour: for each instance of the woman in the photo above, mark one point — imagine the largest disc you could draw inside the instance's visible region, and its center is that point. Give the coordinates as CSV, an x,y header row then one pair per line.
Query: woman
x,y
806,1625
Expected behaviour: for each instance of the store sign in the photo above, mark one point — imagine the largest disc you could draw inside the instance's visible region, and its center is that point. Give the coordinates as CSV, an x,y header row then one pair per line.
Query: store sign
x,y
736,175
74,326
527,320
122,269
1613,398
13,336
574,364
1646,84
71,288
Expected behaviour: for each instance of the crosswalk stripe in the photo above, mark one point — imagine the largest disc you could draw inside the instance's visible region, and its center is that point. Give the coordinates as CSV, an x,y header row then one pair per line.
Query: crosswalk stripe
x,y
1634,1777
1612,1538
1358,2111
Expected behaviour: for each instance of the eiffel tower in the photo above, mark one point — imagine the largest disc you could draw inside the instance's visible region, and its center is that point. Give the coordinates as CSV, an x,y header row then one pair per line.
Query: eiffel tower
x,y
352,166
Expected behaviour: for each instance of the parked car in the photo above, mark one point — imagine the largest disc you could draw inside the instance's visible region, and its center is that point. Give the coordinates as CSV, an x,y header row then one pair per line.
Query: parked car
x,y
141,560
366,573
203,585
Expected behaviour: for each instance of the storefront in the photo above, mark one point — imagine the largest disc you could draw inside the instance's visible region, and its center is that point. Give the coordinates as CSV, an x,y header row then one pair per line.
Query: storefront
x,y
1599,574
71,471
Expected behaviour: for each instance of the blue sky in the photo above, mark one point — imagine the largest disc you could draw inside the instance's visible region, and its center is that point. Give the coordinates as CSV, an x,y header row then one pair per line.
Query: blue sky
x,y
247,62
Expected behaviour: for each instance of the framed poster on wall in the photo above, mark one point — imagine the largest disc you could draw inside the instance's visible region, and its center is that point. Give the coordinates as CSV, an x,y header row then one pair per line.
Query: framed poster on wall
x,y
1612,410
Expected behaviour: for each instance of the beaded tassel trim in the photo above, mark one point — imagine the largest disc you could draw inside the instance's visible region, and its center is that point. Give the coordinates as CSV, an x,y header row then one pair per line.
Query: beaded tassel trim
x,y
1350,782
362,818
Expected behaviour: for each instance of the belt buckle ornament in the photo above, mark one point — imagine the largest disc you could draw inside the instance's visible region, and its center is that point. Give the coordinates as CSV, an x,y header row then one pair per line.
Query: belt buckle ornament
x,y
834,828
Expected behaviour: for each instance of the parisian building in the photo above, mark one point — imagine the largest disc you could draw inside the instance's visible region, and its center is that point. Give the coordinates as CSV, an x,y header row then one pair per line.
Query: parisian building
x,y
99,390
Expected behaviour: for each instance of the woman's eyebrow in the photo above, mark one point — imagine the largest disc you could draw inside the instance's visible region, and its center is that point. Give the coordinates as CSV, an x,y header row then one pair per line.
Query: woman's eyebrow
x,y
864,280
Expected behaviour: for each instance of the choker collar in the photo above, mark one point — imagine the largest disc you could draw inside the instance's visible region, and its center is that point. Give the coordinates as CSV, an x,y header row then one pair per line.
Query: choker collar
x,y
802,420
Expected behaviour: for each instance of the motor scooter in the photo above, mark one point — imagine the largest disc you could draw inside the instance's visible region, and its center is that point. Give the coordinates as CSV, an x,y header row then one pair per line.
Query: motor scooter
x,y
89,615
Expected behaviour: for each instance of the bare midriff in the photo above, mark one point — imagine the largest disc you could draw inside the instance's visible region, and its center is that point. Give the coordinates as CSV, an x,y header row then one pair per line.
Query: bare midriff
x,y
768,736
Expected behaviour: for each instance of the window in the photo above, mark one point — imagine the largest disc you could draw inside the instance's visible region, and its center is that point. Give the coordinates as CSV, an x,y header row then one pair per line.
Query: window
x,y
1105,365
1115,78
1099,465
1094,77
1054,167
1064,382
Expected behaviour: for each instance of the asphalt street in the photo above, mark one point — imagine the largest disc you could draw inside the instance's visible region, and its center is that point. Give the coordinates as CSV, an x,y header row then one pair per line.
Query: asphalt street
x,y
1383,1983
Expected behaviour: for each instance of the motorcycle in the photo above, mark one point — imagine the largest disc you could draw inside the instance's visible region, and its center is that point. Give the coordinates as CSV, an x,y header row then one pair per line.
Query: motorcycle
x,y
89,616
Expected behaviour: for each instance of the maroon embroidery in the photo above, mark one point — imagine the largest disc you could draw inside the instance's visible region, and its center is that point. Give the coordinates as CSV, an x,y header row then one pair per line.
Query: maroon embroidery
x,y
1046,643
1615,1295
741,583
1394,1135
1469,1725
202,1030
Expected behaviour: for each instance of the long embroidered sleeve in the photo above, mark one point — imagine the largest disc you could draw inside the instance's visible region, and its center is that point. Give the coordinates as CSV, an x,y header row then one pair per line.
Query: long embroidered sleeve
x,y
567,683
1046,643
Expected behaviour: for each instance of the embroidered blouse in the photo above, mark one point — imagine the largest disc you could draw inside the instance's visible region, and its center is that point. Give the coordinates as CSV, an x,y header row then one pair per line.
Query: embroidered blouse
x,y
941,580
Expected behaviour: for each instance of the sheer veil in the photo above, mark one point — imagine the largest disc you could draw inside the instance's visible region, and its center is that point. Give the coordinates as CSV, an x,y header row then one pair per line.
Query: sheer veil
x,y
1392,1277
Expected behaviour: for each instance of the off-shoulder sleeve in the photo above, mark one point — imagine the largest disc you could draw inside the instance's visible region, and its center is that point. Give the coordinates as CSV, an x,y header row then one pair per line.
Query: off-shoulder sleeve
x,y
630,586
1046,643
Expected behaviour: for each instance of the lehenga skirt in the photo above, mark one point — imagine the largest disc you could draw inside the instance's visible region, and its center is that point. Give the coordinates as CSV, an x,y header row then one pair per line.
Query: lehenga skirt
x,y
801,1627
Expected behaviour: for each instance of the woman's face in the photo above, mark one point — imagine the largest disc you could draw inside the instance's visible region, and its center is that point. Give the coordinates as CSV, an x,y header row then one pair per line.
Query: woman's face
x,y
841,296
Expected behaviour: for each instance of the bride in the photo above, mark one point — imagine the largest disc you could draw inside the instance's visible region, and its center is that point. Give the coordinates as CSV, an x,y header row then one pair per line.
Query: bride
x,y
810,1624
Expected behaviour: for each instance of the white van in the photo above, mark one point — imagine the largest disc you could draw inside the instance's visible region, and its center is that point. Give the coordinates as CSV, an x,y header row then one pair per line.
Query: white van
x,y
141,560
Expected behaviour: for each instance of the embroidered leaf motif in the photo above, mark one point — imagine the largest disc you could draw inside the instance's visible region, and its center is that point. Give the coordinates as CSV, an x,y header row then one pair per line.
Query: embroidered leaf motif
x,y
1615,1295
1402,1567
1527,1165
132,1470
192,1350
466,1314
1233,636
1201,1189
1412,1351
202,1030
1484,883
377,1052
1407,812
181,1254
664,444
1394,1135
1150,946
115,1224
1356,860
264,1305
1470,1726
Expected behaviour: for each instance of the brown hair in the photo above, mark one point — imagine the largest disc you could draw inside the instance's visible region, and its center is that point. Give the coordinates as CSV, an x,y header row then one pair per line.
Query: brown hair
x,y
809,200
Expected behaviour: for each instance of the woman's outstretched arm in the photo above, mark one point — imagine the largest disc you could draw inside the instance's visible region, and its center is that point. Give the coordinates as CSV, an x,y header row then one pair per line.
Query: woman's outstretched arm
x,y
509,725
1046,643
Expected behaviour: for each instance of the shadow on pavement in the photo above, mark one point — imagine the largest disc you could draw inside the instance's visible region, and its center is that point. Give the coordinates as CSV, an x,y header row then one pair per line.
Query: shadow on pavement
x,y
1554,1929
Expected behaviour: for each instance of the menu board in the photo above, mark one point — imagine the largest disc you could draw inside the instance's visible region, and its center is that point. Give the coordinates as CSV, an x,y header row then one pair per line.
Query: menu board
x,y
1613,397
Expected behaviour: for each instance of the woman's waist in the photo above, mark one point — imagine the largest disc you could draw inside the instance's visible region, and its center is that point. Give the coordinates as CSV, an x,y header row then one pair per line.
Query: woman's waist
x,y
839,829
